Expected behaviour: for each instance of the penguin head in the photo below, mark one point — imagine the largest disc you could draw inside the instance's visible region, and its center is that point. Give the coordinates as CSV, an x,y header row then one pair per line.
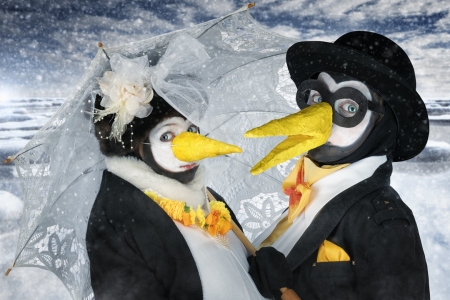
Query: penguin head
x,y
165,140
357,98
156,149
356,108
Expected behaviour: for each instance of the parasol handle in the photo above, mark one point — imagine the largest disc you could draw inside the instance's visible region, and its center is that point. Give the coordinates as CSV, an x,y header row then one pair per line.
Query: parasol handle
x,y
286,293
248,245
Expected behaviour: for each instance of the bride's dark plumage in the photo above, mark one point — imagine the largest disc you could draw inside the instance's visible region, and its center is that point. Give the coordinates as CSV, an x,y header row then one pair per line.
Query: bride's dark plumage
x,y
137,248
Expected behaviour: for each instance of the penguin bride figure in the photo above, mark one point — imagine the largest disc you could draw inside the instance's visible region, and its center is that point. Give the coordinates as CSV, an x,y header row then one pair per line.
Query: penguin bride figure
x,y
347,234
152,233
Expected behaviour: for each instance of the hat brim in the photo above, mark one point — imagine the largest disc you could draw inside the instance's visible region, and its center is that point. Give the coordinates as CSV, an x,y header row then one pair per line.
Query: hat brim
x,y
307,58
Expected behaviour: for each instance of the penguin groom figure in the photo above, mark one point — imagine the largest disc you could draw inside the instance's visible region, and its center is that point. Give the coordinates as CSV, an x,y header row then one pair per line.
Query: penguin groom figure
x,y
347,234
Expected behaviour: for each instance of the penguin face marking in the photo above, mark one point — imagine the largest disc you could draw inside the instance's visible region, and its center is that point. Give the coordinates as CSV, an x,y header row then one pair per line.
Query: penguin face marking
x,y
352,120
349,98
161,137
346,136
332,86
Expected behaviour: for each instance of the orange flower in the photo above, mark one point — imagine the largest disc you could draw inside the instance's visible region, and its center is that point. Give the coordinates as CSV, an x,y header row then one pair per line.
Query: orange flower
x,y
186,219
226,225
189,215
212,229
213,217
211,221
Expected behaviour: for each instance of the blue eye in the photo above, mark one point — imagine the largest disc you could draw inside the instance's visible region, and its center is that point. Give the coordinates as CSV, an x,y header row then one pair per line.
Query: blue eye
x,y
166,137
193,128
351,108
346,107
317,99
313,97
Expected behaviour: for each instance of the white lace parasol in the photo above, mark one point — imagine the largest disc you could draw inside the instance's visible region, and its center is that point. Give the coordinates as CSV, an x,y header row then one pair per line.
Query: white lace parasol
x,y
60,169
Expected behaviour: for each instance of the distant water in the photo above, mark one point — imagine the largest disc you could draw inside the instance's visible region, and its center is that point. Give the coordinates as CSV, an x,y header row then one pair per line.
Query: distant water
x,y
439,111
20,119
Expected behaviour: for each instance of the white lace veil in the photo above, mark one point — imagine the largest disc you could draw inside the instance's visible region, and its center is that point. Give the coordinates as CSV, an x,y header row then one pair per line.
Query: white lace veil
x,y
237,80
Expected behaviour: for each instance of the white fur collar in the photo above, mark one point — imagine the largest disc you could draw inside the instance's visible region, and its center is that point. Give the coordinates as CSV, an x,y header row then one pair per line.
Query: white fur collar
x,y
143,177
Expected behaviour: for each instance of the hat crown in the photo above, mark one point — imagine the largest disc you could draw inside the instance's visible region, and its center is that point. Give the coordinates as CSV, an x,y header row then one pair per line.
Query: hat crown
x,y
382,49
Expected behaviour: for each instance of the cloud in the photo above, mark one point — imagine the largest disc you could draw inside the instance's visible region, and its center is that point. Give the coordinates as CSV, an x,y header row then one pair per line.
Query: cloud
x,y
421,28
287,31
353,10
214,8
429,54
46,46
444,23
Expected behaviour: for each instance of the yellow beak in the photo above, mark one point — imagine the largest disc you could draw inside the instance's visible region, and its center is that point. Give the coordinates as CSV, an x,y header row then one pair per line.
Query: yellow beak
x,y
189,147
306,130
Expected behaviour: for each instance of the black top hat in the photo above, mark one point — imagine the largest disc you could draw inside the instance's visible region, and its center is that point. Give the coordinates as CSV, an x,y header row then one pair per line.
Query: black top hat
x,y
382,65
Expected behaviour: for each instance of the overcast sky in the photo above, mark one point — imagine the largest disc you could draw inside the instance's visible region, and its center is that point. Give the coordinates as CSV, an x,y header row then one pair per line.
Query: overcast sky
x,y
47,45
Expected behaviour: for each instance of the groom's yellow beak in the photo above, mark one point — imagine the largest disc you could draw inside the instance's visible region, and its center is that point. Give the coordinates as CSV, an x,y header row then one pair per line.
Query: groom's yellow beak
x,y
189,147
306,130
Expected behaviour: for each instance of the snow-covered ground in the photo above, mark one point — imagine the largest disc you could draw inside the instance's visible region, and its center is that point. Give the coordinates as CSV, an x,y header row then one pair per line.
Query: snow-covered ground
x,y
423,183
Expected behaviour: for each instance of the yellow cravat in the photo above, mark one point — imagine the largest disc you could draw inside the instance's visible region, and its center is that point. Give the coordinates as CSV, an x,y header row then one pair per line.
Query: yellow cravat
x,y
297,185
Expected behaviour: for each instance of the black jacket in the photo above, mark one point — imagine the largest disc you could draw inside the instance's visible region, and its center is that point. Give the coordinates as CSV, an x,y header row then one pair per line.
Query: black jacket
x,y
135,249
379,233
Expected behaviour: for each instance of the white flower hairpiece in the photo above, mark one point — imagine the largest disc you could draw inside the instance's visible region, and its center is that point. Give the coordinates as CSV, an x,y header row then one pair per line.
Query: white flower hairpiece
x,y
128,89
127,92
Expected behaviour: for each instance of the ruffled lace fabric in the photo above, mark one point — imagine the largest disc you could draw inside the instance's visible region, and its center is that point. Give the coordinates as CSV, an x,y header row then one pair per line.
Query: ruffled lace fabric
x,y
126,91
244,83
177,77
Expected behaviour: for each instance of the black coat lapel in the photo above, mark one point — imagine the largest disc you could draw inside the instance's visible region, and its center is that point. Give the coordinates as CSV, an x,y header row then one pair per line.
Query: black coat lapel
x,y
176,245
330,215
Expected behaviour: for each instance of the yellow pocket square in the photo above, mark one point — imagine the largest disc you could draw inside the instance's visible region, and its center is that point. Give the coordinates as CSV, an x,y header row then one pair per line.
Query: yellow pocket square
x,y
329,252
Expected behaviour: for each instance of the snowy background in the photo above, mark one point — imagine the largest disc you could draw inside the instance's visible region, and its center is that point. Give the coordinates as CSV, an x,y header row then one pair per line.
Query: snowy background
x,y
47,45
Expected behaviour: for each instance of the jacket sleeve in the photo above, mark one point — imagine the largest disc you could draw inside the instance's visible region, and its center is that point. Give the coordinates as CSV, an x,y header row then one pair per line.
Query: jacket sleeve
x,y
270,271
128,260
148,245
396,267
